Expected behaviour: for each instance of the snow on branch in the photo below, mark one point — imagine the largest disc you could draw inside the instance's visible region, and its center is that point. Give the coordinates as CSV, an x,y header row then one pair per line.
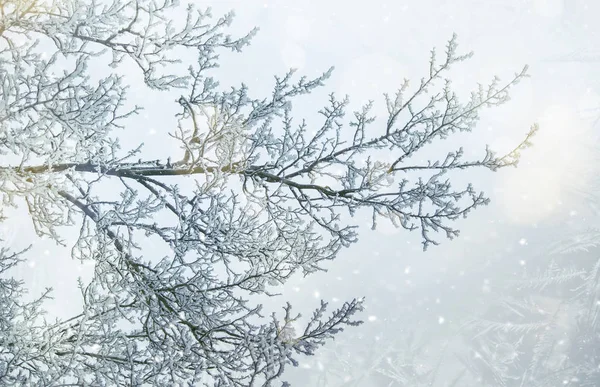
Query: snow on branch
x,y
267,201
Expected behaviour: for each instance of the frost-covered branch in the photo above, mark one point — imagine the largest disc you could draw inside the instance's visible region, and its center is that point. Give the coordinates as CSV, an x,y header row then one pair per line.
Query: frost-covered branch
x,y
265,198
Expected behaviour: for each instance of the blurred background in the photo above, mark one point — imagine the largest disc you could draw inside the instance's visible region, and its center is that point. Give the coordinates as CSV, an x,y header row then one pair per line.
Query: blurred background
x,y
426,311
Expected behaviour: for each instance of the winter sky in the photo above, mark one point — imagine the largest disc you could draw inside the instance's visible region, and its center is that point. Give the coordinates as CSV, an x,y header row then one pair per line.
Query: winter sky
x,y
374,45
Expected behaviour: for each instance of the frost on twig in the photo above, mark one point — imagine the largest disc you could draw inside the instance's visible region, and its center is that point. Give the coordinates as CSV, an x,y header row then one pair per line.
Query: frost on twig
x,y
268,198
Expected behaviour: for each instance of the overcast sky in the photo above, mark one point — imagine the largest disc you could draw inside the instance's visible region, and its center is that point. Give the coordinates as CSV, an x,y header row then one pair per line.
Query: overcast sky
x,y
374,45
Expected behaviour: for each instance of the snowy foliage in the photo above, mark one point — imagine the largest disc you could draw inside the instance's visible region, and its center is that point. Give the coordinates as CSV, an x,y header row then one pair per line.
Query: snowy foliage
x,y
187,317
544,331
402,360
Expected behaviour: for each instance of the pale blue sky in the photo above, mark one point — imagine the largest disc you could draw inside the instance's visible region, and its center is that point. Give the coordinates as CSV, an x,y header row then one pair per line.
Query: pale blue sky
x,y
374,45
